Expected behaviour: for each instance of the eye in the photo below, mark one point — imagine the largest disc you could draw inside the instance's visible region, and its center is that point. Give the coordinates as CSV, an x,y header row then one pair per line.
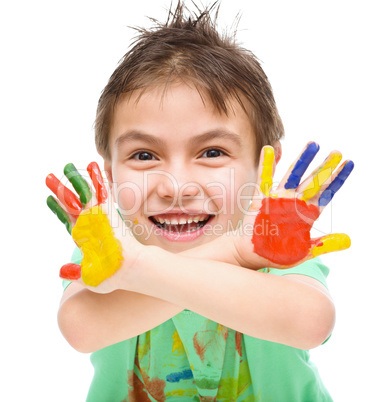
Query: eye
x,y
143,156
213,153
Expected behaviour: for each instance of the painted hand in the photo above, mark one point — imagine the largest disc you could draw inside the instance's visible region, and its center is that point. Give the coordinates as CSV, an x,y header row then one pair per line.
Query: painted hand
x,y
280,219
95,226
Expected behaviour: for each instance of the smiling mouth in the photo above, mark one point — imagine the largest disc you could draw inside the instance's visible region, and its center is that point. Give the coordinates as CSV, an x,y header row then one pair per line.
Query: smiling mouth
x,y
186,227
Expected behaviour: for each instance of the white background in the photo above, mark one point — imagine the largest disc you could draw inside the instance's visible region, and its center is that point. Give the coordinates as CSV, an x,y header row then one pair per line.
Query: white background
x,y
328,65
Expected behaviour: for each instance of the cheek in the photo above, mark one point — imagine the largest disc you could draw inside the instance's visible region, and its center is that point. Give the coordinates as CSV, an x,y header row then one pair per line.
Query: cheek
x,y
244,189
128,194
230,193
244,195
218,192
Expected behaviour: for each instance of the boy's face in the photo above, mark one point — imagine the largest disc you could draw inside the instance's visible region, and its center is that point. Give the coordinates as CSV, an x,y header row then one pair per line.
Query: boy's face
x,y
174,157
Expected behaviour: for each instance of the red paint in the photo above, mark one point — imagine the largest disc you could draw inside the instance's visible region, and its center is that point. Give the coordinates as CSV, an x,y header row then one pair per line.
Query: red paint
x,y
203,339
199,346
154,387
98,182
136,391
282,230
238,343
72,272
64,195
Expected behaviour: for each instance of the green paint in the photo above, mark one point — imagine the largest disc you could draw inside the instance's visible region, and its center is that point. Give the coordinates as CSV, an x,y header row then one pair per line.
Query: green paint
x,y
233,388
228,389
207,383
60,212
79,184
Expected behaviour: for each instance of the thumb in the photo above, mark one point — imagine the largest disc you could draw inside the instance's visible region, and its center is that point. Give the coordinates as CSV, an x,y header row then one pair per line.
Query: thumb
x,y
71,272
329,243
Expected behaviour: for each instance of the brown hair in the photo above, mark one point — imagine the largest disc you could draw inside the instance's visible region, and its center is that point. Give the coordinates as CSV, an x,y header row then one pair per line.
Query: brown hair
x,y
190,49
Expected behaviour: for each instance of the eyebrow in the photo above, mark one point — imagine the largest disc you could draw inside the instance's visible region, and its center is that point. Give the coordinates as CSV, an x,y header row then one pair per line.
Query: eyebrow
x,y
134,135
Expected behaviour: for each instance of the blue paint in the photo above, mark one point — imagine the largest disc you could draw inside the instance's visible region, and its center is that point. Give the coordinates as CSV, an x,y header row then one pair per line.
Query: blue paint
x,y
182,375
330,191
302,165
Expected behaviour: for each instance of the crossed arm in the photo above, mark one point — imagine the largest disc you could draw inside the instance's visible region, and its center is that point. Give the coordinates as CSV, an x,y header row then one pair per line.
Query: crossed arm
x,y
294,309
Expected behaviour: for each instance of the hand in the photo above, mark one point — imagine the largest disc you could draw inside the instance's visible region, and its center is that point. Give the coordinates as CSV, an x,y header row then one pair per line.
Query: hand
x,y
96,227
276,229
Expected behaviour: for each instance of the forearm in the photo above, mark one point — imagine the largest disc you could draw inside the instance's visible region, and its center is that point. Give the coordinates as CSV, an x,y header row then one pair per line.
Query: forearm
x,y
219,249
264,306
91,321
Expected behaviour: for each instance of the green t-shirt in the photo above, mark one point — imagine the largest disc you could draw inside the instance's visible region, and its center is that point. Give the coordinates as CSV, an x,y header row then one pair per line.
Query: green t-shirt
x,y
191,358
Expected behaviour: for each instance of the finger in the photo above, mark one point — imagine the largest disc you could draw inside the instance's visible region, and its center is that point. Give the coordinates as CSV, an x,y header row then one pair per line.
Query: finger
x,y
312,185
265,174
68,199
98,182
296,171
71,272
60,212
330,243
329,192
79,183
267,170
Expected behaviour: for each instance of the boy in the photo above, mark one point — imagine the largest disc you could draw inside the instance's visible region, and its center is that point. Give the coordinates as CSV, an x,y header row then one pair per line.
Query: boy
x,y
191,311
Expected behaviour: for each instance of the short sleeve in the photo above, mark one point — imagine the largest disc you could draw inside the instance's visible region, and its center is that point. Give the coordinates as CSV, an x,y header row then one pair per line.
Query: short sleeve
x,y
313,268
76,259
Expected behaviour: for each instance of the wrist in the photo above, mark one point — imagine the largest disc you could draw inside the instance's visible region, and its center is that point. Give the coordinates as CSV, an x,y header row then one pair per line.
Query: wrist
x,y
147,256
220,249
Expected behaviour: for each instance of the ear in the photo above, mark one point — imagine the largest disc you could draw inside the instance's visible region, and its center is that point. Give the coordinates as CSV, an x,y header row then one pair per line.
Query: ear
x,y
277,152
108,173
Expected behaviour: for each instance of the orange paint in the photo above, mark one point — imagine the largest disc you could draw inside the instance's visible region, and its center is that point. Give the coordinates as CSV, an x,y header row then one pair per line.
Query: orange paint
x,y
282,230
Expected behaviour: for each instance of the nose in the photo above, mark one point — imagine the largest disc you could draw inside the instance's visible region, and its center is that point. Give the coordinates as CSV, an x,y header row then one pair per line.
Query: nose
x,y
176,184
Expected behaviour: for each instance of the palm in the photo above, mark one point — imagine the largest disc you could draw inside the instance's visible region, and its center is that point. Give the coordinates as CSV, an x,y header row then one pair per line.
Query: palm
x,y
276,229
95,226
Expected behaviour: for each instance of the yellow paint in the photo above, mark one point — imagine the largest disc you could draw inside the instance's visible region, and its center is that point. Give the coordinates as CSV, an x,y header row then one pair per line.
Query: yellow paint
x,y
182,392
102,251
177,344
321,175
144,346
267,171
231,388
332,242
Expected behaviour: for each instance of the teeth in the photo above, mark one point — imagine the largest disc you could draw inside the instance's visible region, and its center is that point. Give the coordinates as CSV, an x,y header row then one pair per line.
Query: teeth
x,y
181,221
